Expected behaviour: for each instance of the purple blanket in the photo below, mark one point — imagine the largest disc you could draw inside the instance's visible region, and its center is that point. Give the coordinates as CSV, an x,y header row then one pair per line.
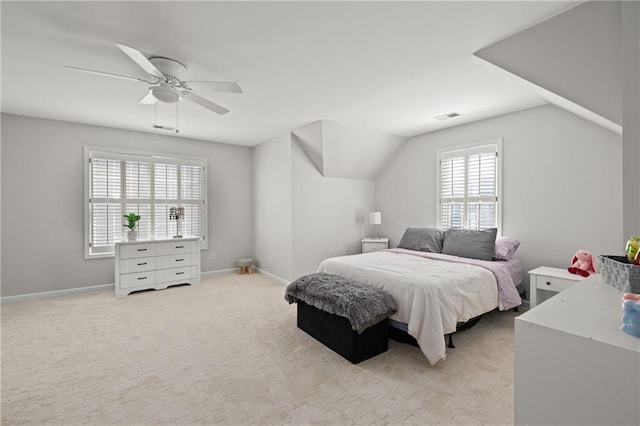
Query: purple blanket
x,y
504,271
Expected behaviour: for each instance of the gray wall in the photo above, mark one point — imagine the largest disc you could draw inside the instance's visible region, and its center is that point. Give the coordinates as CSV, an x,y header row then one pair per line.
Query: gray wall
x,y
355,153
562,183
272,206
329,214
631,118
302,217
576,55
42,185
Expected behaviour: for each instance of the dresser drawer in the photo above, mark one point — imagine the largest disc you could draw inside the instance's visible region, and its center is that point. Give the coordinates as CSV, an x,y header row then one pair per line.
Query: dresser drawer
x,y
176,261
140,264
177,274
137,250
138,279
553,283
178,247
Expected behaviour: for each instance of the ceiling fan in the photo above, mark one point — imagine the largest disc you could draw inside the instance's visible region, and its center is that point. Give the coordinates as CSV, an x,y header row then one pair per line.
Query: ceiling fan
x,y
165,84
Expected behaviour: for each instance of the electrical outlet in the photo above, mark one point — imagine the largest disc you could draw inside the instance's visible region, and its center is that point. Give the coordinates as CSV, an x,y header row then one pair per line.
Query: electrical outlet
x,y
212,256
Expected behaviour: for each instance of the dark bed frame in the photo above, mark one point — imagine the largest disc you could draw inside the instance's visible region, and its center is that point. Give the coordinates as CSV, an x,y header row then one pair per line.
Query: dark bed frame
x,y
336,333
403,337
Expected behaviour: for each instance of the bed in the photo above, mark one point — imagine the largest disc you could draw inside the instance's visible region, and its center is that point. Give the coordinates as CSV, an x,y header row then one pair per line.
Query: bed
x,y
434,291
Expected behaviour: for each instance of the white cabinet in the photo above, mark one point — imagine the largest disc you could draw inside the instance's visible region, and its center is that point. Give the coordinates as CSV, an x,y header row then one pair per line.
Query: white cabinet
x,y
157,264
374,244
549,279
573,364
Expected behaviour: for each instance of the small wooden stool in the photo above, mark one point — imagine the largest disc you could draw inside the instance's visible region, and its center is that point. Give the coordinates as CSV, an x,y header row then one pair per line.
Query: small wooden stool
x,y
244,265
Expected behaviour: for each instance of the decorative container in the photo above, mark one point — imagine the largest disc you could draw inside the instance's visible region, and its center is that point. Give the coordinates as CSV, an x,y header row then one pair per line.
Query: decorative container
x,y
132,235
619,273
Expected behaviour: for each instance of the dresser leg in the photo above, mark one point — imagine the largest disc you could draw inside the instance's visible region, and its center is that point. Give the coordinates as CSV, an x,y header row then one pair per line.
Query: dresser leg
x,y
533,292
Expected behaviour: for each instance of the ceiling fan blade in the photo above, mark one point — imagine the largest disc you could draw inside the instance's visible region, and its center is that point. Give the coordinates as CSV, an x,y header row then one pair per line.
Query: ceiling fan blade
x,y
221,86
205,103
148,99
107,74
141,60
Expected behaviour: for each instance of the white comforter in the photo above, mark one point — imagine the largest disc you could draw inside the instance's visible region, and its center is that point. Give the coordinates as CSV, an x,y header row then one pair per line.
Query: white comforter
x,y
432,295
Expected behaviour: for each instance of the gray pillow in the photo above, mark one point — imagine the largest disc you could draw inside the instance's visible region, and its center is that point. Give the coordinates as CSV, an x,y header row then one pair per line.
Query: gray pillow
x,y
422,239
470,243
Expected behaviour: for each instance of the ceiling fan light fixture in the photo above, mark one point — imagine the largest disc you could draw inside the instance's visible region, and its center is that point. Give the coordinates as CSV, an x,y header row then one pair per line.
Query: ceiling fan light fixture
x,y
165,94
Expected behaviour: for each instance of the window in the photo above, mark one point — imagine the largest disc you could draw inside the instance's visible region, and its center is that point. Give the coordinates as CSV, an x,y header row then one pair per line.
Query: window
x,y
469,186
118,182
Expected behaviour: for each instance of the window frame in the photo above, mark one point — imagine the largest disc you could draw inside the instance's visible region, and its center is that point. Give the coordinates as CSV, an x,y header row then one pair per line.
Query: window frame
x,y
153,157
465,150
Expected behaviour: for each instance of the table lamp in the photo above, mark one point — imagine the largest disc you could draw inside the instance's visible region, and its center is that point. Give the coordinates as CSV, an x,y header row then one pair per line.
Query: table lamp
x,y
375,218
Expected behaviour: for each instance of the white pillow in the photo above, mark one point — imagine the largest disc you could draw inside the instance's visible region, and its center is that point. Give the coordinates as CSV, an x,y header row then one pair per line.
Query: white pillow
x,y
505,248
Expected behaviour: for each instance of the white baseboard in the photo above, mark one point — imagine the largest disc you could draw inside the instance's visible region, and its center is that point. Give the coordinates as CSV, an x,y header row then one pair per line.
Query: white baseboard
x,y
218,272
273,277
258,270
56,293
91,289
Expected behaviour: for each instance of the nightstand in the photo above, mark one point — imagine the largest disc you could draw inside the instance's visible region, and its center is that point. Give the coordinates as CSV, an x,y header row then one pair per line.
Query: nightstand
x,y
549,279
374,244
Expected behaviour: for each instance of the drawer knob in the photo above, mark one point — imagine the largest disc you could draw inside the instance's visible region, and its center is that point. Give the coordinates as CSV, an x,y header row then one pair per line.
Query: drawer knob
x,y
179,273
142,249
142,278
548,283
179,246
179,260
143,263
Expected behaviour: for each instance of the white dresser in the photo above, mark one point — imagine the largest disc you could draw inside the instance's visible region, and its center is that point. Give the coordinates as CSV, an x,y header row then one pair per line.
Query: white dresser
x,y
573,364
156,264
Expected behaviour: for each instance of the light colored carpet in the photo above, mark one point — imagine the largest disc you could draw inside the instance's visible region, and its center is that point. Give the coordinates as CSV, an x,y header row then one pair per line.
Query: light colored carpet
x,y
229,352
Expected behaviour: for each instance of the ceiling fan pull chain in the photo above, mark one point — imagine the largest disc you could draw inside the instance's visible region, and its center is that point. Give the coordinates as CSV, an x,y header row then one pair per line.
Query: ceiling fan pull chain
x,y
177,116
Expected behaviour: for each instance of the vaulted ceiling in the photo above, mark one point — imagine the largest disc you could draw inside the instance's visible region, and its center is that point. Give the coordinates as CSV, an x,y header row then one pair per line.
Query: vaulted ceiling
x,y
383,66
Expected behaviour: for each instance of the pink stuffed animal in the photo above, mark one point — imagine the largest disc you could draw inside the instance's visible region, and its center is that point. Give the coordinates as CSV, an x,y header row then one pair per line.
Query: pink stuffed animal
x,y
582,264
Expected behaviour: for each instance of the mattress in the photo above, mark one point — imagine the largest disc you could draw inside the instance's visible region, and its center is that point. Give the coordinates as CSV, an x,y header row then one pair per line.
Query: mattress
x,y
432,295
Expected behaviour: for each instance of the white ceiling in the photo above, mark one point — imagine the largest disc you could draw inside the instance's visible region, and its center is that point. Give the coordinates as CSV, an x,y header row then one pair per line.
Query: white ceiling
x,y
383,66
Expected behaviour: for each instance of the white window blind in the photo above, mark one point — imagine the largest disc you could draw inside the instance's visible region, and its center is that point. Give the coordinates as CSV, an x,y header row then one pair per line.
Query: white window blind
x,y
192,190
469,187
118,183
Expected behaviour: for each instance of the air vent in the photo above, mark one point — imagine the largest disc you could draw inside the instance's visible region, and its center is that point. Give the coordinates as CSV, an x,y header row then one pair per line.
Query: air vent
x,y
447,116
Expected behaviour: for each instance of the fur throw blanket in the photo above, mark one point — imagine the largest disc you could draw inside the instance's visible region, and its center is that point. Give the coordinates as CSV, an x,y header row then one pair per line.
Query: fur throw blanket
x,y
362,305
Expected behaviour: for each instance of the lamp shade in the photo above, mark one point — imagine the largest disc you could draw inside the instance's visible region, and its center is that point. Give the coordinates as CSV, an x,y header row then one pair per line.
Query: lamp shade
x,y
375,218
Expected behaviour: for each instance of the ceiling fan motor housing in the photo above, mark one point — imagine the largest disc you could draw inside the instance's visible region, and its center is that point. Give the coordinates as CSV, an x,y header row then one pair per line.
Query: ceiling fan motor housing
x,y
167,91
170,68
